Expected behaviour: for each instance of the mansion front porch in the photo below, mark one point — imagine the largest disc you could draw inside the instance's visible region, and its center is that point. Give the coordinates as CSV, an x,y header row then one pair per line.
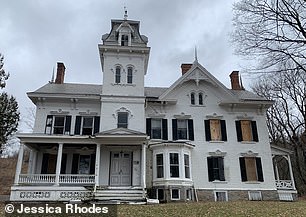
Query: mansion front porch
x,y
107,166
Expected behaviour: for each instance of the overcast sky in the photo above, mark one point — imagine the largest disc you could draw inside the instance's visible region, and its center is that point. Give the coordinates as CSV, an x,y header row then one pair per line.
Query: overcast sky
x,y
34,35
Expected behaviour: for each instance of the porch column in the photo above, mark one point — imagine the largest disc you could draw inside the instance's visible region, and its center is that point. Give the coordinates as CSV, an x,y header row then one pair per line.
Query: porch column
x,y
19,163
30,164
290,170
276,170
33,171
143,166
97,167
58,163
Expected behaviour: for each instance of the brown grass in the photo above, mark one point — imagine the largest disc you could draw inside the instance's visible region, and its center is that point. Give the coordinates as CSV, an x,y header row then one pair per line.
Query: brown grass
x,y
240,208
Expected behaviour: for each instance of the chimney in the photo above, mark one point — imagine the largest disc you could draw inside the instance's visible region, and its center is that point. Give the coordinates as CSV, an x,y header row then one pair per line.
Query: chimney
x,y
185,67
60,73
235,81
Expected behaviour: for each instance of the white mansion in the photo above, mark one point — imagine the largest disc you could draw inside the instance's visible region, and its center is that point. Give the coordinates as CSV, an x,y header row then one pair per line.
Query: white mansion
x,y
195,140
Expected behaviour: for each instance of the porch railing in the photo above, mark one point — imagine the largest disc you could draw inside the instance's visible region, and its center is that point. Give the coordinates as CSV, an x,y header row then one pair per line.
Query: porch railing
x,y
50,179
36,178
77,179
284,184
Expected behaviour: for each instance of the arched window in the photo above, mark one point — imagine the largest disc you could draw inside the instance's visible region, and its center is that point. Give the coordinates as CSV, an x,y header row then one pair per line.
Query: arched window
x,y
192,99
200,98
130,75
118,75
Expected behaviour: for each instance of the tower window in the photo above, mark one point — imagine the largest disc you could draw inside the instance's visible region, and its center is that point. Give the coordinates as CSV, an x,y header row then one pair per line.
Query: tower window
x,y
124,40
122,120
130,75
118,75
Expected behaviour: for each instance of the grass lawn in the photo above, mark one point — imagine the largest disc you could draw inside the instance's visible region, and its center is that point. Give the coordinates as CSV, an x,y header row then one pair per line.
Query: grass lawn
x,y
240,208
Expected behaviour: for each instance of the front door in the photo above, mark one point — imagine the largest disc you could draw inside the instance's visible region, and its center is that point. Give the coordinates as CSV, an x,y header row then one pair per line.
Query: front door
x,y
120,170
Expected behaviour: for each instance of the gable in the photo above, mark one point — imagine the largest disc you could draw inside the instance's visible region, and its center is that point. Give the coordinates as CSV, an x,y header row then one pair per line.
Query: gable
x,y
200,77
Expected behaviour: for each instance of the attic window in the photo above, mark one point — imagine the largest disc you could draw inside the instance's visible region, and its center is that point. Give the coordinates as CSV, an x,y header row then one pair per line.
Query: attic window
x,y
200,98
192,98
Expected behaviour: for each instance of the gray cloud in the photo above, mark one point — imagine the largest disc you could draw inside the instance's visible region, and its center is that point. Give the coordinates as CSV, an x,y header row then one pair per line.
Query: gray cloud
x,y
34,35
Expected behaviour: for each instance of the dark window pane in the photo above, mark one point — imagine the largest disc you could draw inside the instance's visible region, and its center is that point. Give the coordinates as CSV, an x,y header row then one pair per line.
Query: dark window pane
x,y
156,128
122,119
200,99
118,75
175,194
130,75
174,171
192,99
187,167
182,129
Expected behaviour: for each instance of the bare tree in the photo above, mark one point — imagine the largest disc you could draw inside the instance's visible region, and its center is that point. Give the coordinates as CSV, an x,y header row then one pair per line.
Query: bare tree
x,y
3,74
286,118
271,32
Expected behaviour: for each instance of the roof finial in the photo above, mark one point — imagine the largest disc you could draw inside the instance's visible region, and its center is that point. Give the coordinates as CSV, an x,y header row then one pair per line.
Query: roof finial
x,y
52,78
125,13
195,54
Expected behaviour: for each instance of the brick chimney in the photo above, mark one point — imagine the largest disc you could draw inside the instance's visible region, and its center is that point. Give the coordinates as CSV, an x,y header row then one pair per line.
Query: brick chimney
x,y
235,81
60,75
185,67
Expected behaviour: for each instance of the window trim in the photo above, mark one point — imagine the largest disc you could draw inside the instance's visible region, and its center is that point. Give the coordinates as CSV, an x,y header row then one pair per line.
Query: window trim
x,y
158,166
192,98
129,76
178,191
119,125
118,70
216,198
174,165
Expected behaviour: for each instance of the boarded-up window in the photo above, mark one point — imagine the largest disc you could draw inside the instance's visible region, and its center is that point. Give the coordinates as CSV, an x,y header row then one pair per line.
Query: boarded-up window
x,y
246,130
251,169
215,130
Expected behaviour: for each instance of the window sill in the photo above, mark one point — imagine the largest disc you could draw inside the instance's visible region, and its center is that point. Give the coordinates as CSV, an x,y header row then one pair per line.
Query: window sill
x,y
212,141
248,142
219,182
252,182
197,105
123,84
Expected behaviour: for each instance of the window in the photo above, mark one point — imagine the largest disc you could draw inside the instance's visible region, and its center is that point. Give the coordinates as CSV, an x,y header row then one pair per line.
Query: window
x,y
220,196
159,166
118,75
130,75
255,195
157,128
215,169
175,194
192,98
122,120
200,98
215,130
86,125
58,124
246,131
251,169
188,194
160,194
174,165
187,166
182,129
124,40
83,164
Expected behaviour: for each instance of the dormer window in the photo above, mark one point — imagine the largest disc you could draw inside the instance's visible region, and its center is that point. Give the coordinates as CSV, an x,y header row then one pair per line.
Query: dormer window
x,y
130,75
118,75
124,40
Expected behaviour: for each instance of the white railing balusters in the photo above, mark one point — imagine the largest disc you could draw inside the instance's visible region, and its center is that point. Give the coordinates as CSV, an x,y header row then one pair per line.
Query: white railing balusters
x,y
284,184
50,178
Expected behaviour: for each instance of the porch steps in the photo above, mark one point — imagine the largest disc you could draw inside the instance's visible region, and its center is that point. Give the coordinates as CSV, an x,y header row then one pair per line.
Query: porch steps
x,y
119,195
